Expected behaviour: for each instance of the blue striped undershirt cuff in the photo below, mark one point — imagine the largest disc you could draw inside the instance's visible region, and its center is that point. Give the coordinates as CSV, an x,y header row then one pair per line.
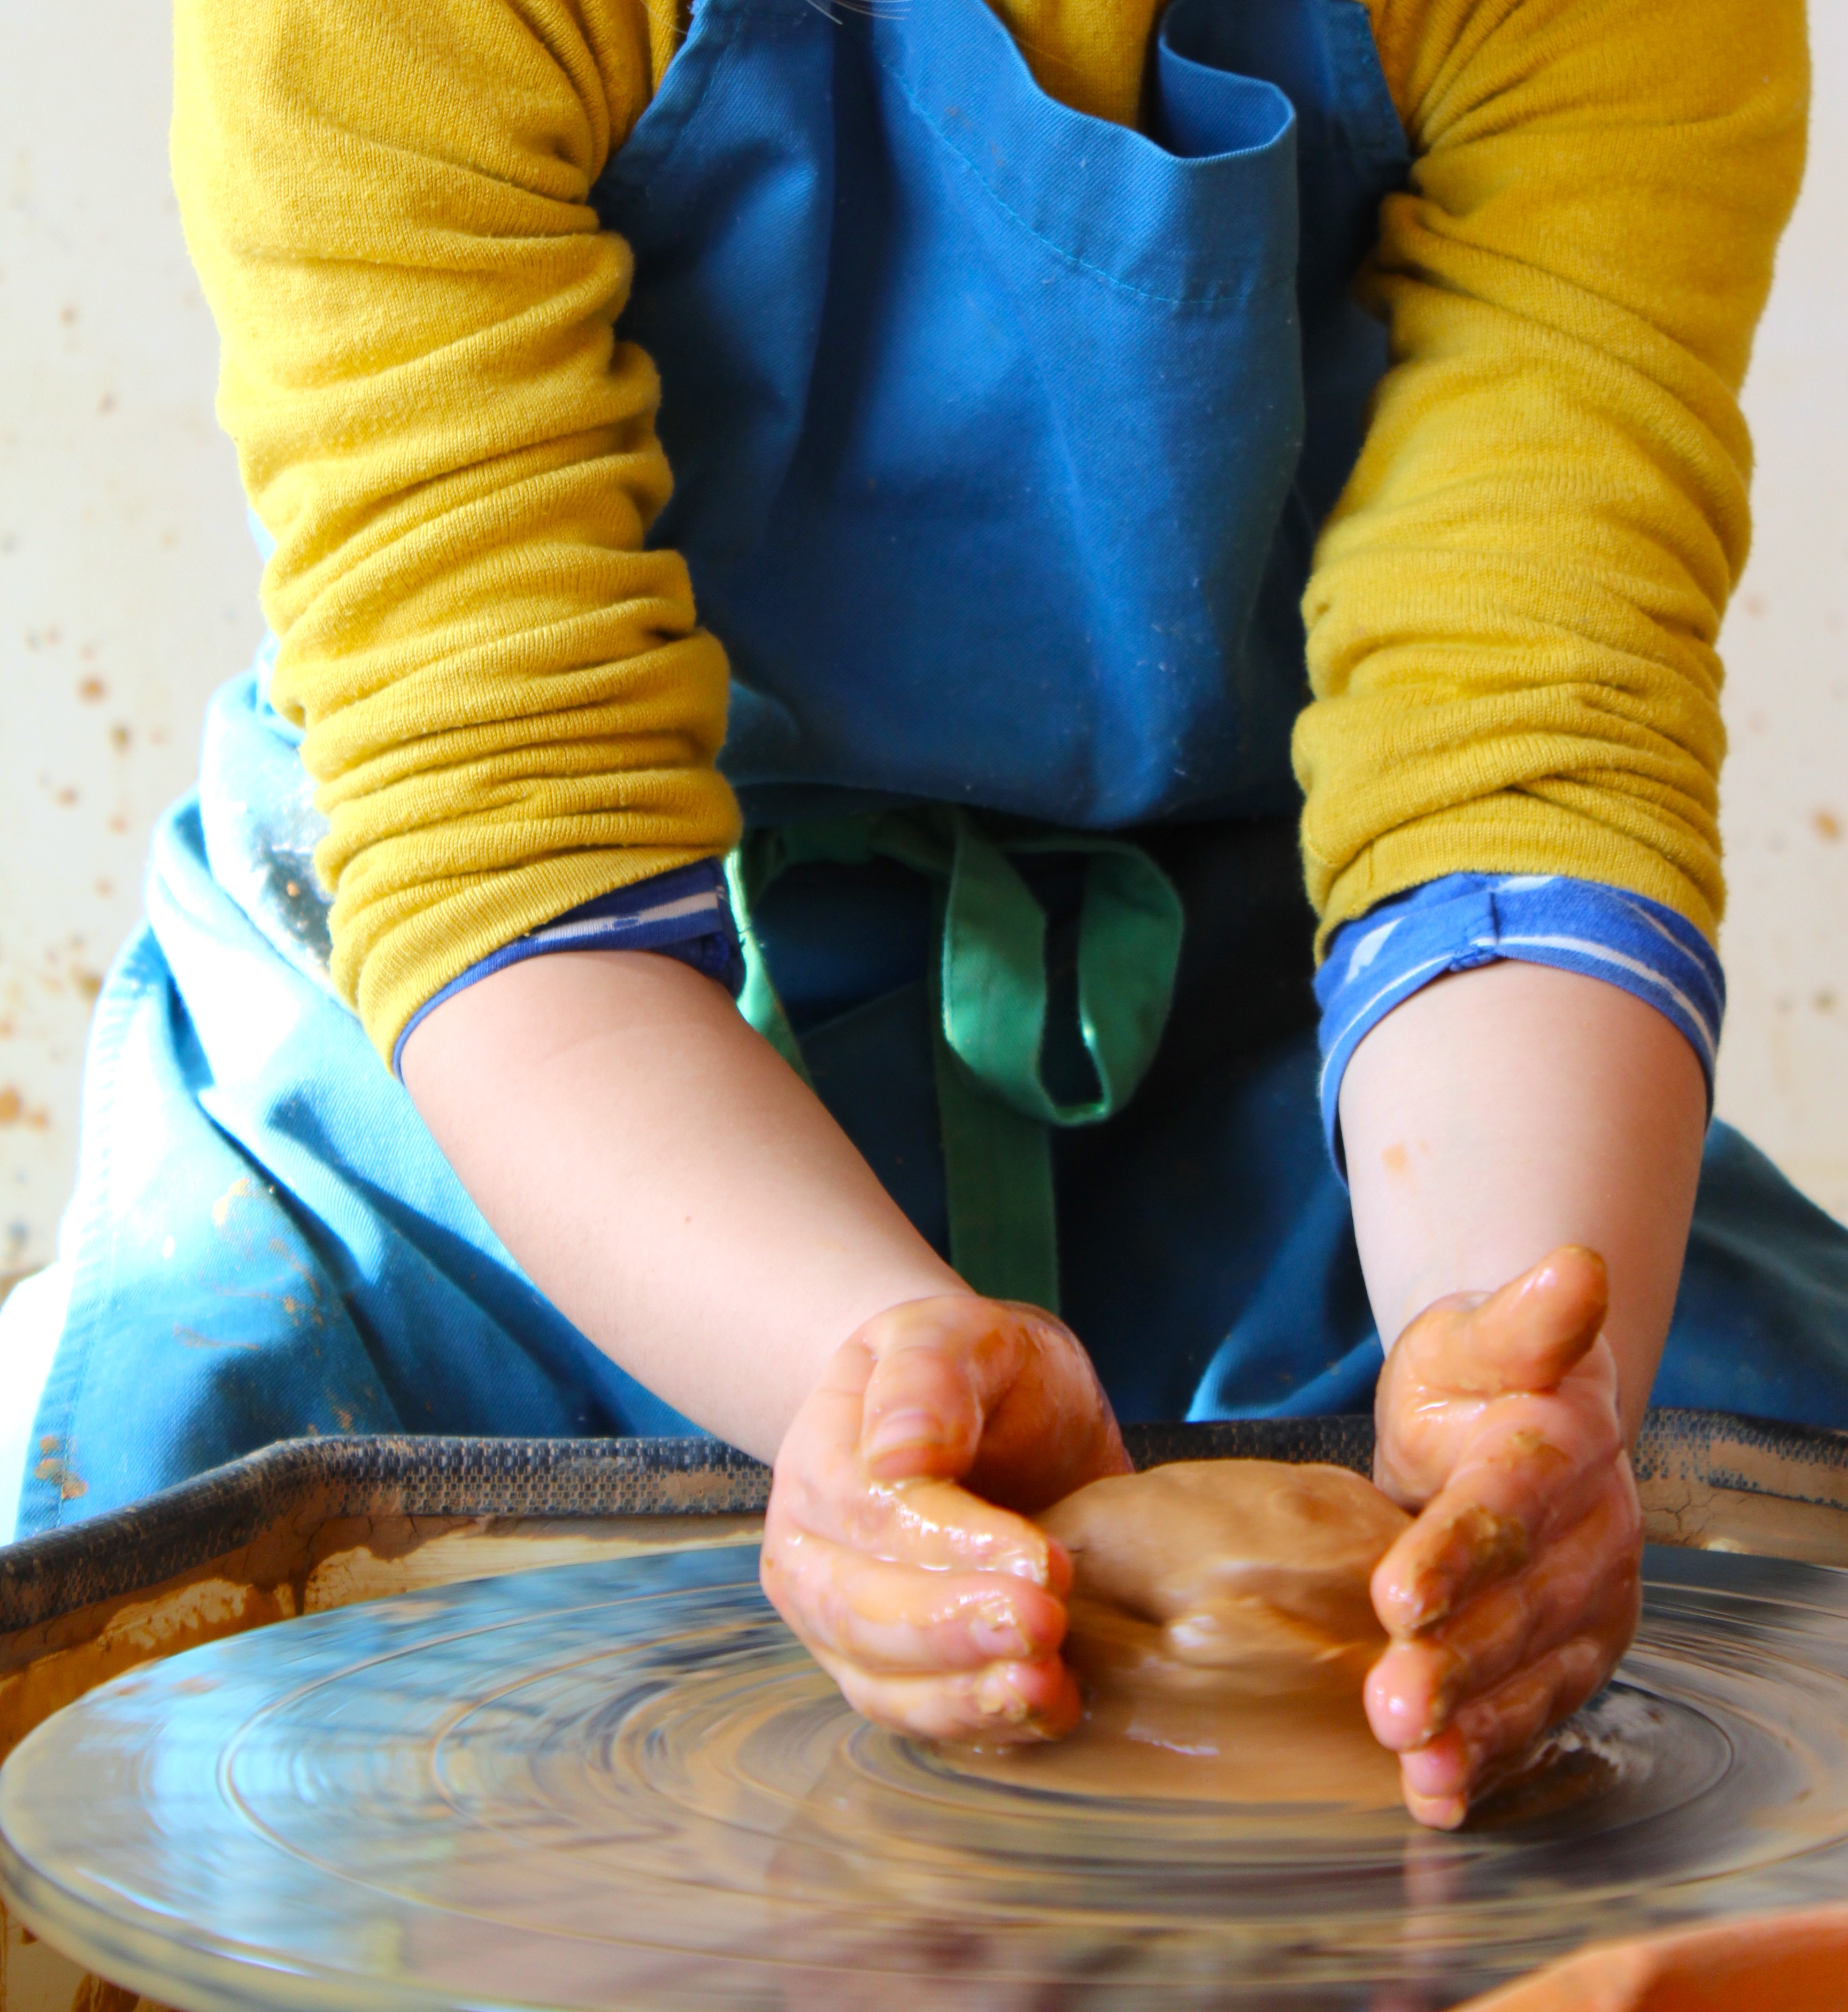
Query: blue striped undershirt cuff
x,y
685,914
1379,960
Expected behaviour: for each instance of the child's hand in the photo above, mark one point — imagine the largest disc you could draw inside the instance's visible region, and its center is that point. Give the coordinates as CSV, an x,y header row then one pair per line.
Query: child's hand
x,y
937,1610
1512,1596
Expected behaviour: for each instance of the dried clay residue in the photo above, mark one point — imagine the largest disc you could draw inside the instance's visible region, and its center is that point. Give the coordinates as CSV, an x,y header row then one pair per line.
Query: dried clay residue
x,y
308,1562
136,1633
369,1558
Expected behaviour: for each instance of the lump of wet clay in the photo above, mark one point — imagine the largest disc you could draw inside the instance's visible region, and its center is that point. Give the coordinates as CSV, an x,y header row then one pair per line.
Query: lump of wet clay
x,y
1213,1580
1221,1626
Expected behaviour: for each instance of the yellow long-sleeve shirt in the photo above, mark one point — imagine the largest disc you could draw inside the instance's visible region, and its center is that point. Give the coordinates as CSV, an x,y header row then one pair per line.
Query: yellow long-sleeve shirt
x,y
509,707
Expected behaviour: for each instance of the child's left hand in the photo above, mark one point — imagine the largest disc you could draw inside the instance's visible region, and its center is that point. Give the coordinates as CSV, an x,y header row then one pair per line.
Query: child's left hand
x,y
1513,1596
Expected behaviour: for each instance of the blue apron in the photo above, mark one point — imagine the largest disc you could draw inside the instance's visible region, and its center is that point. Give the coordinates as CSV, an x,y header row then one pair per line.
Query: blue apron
x,y
1000,434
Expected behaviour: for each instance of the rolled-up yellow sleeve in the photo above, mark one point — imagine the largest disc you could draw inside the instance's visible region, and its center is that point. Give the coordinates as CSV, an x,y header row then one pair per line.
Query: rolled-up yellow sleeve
x,y
509,706
1513,615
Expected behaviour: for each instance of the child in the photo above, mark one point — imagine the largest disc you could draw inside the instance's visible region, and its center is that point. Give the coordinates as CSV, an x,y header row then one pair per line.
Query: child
x,y
1022,374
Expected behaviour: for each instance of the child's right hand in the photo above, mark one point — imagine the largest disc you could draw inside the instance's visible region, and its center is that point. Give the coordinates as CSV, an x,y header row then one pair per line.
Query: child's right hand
x,y
897,1545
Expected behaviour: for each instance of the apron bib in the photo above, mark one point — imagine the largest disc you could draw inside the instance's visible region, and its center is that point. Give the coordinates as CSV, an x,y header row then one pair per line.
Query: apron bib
x,y
990,421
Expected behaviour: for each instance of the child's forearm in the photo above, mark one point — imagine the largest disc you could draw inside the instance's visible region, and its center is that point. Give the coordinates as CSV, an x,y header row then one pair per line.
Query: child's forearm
x,y
665,1180
1504,1111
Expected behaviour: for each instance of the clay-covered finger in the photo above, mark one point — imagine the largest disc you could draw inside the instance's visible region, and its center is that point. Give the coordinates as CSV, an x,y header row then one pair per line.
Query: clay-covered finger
x,y
910,1389
1527,1475
822,1488
933,1526
1468,1360
1490,1735
938,1365
1002,1396
1527,1336
1052,1430
1586,1583
1417,1687
1005,1704
895,1619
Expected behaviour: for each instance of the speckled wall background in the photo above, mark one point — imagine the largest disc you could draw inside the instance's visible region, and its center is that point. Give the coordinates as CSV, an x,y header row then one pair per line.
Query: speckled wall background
x,y
128,591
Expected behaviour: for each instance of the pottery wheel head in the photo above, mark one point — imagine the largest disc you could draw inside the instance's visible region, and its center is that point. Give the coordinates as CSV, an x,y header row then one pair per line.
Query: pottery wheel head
x,y
625,1783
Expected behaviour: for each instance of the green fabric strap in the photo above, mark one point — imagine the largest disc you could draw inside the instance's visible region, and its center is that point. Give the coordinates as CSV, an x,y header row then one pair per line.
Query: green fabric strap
x,y
989,1008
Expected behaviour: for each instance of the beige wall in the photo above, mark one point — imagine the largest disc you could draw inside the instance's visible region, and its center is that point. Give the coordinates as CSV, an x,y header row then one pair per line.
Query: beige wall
x,y
1784,1067
127,591
128,580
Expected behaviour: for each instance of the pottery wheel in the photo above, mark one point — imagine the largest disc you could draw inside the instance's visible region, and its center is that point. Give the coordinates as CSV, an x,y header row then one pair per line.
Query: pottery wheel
x,y
623,1784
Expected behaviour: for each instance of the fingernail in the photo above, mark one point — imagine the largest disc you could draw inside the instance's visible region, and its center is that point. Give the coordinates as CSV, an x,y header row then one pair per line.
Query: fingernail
x,y
1476,1547
1435,1813
1426,1605
1411,1605
1451,1687
996,1631
999,1697
1440,1771
898,1429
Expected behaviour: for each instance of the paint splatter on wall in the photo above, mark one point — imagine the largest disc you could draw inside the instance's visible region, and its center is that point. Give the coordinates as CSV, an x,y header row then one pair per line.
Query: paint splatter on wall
x,y
127,578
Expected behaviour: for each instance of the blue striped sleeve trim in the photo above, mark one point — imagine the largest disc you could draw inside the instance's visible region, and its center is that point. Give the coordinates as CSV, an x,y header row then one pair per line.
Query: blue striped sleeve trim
x,y
1466,919
685,914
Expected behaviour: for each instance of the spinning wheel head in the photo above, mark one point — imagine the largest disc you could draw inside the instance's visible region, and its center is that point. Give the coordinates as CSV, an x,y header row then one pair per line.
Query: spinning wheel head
x,y
624,1783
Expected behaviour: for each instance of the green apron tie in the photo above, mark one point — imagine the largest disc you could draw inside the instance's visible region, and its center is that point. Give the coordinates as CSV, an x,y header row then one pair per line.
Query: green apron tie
x,y
989,1008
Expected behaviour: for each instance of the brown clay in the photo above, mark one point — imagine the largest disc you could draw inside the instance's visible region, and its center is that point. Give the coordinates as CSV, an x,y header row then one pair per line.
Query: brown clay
x,y
1221,1626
